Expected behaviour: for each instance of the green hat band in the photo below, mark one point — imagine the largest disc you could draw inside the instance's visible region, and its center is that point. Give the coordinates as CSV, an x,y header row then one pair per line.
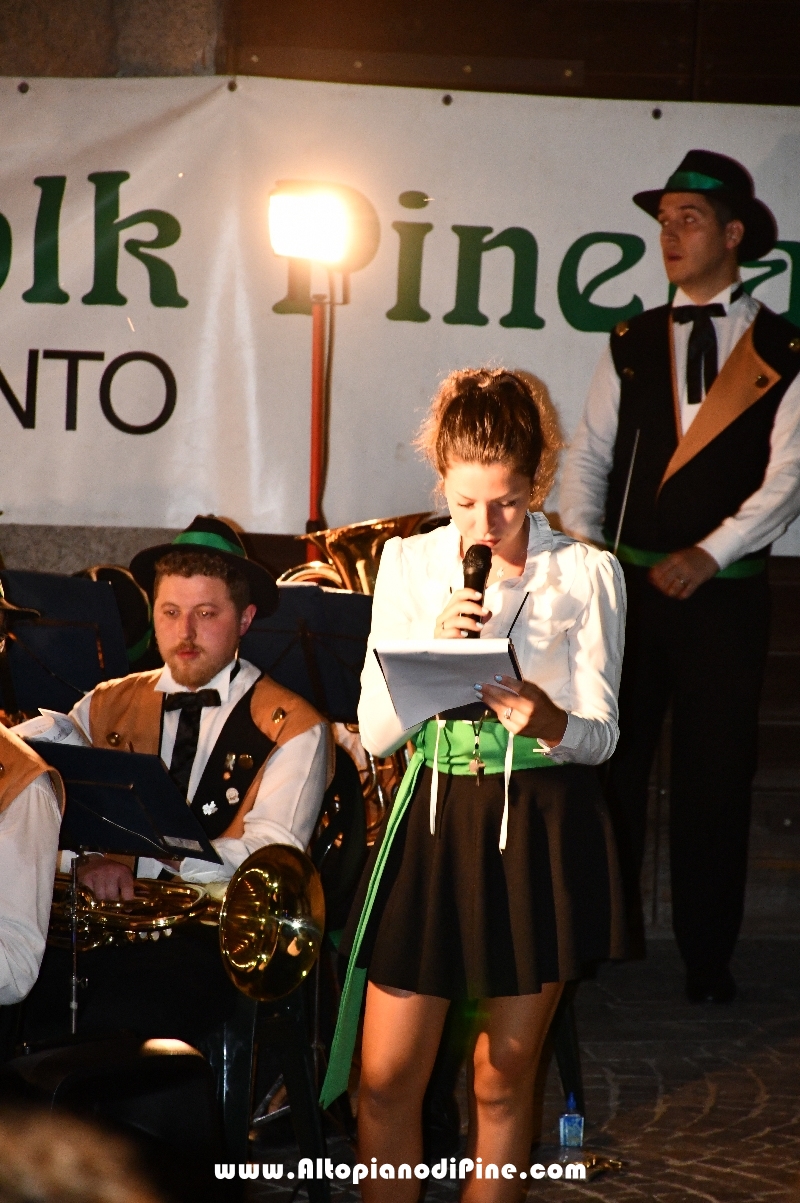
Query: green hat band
x,y
692,181
201,538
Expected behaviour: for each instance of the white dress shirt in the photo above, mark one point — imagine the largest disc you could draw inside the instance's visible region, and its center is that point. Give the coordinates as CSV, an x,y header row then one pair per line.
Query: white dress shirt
x,y
28,847
761,519
568,637
289,798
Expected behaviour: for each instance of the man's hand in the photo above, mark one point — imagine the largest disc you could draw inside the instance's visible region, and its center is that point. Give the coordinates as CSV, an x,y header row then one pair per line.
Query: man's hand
x,y
682,573
108,880
524,709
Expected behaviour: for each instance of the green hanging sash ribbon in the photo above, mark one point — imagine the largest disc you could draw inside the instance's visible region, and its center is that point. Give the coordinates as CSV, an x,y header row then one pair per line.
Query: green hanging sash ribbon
x,y
456,750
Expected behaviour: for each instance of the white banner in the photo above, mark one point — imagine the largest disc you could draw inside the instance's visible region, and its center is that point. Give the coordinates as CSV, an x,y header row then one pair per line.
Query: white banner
x,y
146,375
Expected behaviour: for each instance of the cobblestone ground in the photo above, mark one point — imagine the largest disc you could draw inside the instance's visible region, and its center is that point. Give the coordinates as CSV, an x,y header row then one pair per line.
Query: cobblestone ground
x,y
702,1103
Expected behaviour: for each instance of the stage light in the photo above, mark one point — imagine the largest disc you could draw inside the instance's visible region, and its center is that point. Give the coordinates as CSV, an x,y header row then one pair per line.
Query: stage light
x,y
313,224
321,224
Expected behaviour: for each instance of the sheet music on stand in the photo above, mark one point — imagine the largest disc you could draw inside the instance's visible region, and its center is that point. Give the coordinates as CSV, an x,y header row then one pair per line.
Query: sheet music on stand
x,y
428,676
124,802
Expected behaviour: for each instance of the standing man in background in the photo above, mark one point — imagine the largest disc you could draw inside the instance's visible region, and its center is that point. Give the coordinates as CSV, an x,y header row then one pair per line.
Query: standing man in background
x,y
687,463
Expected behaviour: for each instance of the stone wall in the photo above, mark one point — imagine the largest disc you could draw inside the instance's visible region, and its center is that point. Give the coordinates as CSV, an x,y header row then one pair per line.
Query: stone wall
x,y
111,37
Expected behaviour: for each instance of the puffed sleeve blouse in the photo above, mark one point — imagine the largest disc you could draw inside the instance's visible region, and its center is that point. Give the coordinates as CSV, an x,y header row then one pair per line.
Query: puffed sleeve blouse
x,y
569,631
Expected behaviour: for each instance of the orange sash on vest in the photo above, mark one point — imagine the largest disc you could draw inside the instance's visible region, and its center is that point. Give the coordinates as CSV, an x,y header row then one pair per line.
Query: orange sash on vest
x,y
743,379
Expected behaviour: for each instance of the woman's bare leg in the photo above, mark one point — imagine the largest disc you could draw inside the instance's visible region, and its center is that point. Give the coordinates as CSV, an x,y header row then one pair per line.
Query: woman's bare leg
x,y
511,1035
401,1037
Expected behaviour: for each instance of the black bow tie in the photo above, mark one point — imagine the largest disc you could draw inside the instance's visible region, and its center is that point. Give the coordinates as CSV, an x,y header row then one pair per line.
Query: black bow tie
x,y
188,733
191,701
701,354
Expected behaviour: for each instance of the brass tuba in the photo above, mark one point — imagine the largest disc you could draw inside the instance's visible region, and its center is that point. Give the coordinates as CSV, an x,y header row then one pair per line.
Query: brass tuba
x,y
271,919
352,553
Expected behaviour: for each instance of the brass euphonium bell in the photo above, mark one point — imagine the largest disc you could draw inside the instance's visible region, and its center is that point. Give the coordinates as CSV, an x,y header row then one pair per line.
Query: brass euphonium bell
x,y
352,553
272,922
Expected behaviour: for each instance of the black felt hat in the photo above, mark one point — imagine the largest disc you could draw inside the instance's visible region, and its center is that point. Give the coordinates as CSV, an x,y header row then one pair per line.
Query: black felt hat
x,y
211,536
711,174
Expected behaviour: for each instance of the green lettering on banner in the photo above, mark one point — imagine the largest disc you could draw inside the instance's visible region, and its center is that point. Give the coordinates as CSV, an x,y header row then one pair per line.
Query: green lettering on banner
x,y
5,249
46,289
407,308
472,245
107,229
775,267
576,303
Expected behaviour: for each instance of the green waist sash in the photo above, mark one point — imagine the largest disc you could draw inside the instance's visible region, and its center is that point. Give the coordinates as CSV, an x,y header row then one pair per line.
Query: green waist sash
x,y
456,748
737,571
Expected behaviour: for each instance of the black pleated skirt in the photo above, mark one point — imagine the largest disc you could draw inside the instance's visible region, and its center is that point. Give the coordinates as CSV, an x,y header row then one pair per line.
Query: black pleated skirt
x,y
456,918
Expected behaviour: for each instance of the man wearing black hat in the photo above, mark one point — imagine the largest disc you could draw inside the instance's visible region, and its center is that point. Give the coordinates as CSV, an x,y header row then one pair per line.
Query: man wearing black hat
x,y
687,464
252,758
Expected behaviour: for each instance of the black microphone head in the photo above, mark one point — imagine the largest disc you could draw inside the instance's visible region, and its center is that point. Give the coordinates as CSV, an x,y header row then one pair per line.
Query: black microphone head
x,y
477,565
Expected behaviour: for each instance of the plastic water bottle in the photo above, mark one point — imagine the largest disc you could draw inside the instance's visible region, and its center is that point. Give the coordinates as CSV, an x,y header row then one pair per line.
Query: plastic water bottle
x,y
570,1126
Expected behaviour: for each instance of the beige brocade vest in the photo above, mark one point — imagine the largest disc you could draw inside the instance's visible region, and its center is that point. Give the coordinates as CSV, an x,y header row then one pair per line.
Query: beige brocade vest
x,y
126,714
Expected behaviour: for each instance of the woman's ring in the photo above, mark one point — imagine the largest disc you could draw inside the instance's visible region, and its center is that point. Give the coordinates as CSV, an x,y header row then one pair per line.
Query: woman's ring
x,y
507,713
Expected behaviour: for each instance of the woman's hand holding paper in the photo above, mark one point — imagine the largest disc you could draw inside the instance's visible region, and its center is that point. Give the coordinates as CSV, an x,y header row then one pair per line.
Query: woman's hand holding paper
x,y
524,709
461,614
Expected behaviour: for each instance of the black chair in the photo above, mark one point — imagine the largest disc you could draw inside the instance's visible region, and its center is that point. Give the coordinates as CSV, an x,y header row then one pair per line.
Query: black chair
x,y
291,1025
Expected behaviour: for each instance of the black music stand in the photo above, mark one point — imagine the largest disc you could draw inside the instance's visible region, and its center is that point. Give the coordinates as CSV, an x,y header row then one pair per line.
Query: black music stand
x,y
125,803
77,642
315,644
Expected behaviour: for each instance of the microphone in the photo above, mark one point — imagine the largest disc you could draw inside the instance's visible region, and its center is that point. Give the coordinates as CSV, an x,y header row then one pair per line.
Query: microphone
x,y
477,565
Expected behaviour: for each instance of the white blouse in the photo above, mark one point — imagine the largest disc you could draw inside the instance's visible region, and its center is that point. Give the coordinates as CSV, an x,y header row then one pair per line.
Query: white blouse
x,y
569,636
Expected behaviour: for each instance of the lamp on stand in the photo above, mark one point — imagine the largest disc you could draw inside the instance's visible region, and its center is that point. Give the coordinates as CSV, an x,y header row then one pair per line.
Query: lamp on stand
x,y
314,223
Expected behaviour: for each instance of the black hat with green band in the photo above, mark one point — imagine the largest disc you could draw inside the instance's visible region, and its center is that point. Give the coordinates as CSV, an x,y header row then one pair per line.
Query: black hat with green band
x,y
711,174
208,535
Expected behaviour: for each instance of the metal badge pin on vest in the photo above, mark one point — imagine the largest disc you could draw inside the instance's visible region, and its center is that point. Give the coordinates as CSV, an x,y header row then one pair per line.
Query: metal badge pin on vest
x,y
245,760
232,795
230,762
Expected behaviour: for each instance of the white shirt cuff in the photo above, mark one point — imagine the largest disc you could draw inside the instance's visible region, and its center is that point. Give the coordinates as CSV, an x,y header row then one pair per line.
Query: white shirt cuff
x,y
723,545
573,733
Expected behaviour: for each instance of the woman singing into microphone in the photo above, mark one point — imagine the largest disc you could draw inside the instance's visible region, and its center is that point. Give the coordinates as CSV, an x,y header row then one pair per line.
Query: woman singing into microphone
x,y
496,876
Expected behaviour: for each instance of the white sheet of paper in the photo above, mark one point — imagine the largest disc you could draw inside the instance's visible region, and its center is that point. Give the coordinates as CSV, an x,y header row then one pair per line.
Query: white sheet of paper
x,y
428,676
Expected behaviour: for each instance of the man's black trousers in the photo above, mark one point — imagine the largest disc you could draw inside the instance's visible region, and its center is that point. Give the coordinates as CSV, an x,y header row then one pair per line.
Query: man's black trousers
x,y
706,656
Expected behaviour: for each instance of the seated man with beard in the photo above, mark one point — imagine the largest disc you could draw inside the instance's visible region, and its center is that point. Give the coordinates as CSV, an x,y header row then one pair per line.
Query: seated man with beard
x,y
252,758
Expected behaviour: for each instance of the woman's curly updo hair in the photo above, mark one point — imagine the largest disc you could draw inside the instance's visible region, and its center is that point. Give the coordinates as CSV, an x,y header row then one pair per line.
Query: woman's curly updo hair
x,y
491,416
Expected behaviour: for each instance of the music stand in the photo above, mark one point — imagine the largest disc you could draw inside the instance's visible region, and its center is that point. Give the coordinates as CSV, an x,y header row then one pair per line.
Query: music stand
x,y
77,642
123,803
315,644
